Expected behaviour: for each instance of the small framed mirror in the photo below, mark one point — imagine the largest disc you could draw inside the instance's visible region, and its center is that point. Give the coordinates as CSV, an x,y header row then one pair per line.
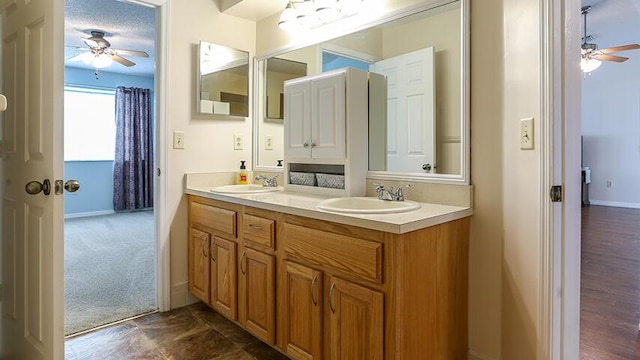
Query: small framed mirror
x,y
223,80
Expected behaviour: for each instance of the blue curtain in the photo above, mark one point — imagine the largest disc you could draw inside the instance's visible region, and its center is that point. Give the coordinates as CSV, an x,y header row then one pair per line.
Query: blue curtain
x,y
133,165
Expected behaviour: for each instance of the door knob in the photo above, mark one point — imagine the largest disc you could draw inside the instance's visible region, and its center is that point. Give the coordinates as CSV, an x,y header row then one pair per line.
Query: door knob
x,y
72,185
426,167
35,187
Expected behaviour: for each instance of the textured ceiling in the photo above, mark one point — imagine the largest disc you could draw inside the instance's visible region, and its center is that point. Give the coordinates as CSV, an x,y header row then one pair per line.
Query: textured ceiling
x,y
613,23
126,26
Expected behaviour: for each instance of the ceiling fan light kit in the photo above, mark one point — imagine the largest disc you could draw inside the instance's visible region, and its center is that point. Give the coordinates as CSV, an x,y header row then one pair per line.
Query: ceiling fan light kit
x,y
100,54
592,56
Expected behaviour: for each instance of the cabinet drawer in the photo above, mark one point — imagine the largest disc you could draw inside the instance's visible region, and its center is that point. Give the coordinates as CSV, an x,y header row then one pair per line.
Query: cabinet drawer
x,y
258,230
222,220
344,253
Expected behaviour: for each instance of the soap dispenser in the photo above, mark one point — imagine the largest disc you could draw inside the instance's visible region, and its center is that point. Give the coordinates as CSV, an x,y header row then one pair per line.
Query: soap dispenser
x,y
243,176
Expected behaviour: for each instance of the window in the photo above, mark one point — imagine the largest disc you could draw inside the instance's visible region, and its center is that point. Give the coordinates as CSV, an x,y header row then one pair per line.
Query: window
x,y
332,61
89,124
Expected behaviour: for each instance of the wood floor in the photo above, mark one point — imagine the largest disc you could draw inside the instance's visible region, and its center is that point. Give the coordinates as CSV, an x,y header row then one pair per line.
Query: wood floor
x,y
610,287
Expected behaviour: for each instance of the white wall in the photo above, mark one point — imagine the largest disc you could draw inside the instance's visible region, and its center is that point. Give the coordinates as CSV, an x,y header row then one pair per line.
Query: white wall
x,y
611,132
208,138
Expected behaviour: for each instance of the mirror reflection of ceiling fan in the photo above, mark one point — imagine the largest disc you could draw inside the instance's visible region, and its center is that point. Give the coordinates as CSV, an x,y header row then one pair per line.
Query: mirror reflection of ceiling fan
x,y
101,54
592,56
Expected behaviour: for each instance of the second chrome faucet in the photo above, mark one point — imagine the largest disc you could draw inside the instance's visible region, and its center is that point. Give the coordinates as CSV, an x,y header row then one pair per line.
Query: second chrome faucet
x,y
388,194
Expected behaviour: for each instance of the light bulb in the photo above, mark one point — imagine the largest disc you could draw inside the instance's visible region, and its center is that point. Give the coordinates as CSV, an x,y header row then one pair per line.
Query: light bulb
x,y
102,61
588,65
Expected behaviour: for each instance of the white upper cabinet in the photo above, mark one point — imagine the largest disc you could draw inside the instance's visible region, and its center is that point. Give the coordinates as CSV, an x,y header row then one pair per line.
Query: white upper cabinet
x,y
325,132
315,115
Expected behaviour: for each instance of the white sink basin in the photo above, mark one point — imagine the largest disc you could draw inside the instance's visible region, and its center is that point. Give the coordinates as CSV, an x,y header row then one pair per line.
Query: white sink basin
x,y
244,189
367,205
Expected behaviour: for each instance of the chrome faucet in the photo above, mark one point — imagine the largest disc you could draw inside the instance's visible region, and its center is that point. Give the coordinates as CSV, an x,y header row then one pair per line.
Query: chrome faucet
x,y
268,181
389,194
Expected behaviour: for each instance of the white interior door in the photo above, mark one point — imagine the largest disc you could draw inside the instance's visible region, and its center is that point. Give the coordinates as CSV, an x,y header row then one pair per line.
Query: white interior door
x,y
32,233
411,128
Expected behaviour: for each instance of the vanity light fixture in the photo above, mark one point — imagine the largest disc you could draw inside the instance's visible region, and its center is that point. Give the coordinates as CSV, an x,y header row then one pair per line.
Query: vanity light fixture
x,y
308,14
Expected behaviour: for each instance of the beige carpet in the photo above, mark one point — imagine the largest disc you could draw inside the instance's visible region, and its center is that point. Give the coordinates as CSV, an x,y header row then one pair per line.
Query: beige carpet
x,y
109,269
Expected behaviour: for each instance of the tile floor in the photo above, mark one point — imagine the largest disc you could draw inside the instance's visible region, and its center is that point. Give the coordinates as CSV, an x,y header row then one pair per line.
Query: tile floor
x,y
192,332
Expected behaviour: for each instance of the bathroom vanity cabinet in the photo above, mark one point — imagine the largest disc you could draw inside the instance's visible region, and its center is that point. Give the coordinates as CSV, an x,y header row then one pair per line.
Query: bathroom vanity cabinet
x,y
316,289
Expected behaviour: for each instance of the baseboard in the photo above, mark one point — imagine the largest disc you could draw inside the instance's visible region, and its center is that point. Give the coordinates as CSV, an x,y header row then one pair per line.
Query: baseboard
x,y
615,204
180,295
475,356
90,213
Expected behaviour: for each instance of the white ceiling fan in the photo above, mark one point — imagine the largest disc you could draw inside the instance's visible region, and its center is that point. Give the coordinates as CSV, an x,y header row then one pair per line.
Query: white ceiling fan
x,y
101,54
592,56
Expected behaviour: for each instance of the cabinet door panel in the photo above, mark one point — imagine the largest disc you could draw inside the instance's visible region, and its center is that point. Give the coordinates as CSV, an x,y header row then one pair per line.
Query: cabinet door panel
x,y
297,116
328,117
303,314
199,264
356,321
259,281
224,279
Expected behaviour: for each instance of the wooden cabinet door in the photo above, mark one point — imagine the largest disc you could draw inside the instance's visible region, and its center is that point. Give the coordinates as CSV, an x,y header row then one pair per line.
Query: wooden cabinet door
x,y
297,117
328,117
224,281
356,321
258,283
199,263
302,318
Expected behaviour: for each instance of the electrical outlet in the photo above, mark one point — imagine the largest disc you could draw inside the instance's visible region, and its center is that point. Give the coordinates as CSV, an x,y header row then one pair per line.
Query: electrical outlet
x,y
268,142
237,142
178,139
526,134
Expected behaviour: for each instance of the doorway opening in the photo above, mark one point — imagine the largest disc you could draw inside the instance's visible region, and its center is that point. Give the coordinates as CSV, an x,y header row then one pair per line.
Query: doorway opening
x,y
110,253
610,213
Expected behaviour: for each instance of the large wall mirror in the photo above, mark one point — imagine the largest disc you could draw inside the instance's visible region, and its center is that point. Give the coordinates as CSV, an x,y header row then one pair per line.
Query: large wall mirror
x,y
422,131
223,80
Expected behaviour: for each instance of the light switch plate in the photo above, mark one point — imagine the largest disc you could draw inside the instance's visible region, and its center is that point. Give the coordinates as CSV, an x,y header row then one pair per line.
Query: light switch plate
x,y
178,139
268,142
526,134
237,142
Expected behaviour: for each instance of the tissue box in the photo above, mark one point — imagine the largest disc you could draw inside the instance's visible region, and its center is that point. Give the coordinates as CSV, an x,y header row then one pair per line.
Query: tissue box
x,y
330,181
302,178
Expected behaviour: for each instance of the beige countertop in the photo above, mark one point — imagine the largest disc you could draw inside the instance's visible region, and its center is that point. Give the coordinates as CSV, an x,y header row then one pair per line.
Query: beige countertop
x,y
302,204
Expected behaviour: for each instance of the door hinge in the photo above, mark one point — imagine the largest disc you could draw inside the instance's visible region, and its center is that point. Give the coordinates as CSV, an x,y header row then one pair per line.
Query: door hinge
x,y
556,193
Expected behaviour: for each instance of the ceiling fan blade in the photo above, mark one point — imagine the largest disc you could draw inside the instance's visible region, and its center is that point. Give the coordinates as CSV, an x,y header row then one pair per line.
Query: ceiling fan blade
x,y
79,48
613,58
619,48
122,60
87,57
131,53
91,43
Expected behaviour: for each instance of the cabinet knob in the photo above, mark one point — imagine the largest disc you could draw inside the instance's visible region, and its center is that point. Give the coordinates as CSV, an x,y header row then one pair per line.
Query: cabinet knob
x,y
305,145
313,145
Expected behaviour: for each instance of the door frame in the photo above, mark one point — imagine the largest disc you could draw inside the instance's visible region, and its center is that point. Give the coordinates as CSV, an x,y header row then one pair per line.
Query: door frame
x,y
163,255
559,267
